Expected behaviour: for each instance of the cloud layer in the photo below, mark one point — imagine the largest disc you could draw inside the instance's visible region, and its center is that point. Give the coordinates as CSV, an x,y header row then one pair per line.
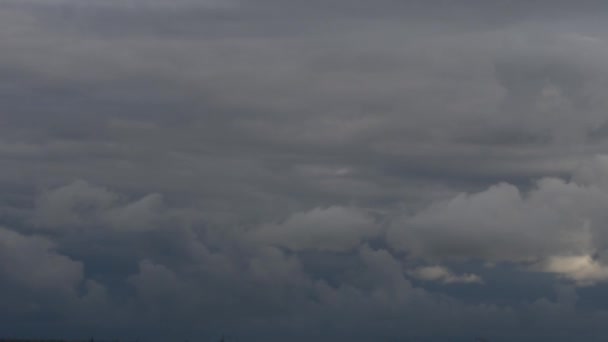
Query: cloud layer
x,y
288,170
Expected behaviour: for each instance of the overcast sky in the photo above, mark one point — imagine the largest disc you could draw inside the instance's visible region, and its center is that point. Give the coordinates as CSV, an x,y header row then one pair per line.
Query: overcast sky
x,y
290,170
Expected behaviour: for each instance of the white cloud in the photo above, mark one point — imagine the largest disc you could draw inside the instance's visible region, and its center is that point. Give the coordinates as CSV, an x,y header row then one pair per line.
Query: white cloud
x,y
583,269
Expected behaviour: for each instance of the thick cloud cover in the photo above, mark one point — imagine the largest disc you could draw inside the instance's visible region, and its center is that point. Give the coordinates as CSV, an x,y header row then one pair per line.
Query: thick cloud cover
x,y
304,170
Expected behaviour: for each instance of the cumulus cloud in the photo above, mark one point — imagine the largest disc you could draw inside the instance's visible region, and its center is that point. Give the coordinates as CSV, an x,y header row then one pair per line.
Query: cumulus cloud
x,y
143,214
504,224
39,279
72,205
444,275
258,282
33,262
81,205
158,289
584,270
325,229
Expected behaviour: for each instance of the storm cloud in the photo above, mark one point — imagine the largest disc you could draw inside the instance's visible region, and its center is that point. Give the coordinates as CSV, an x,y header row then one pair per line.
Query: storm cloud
x,y
304,170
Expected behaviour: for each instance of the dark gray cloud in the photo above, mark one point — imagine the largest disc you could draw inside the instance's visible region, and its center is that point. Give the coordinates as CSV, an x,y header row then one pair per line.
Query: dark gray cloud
x,y
289,170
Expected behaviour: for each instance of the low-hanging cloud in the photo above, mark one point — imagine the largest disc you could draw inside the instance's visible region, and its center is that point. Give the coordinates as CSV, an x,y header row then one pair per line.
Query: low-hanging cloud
x,y
326,229
319,170
444,275
557,221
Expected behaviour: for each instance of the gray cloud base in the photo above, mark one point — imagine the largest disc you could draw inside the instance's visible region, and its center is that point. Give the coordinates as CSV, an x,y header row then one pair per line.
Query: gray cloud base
x,y
335,170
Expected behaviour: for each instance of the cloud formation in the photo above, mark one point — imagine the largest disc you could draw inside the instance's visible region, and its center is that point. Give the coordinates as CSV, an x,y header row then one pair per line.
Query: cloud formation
x,y
332,229
442,274
582,269
319,170
557,223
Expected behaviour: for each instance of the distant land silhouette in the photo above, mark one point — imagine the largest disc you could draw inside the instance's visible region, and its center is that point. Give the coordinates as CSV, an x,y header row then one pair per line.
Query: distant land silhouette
x,y
222,339
63,340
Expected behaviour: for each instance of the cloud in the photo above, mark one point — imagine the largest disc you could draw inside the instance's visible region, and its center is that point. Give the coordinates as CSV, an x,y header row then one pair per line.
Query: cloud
x,y
183,274
81,205
325,229
143,214
283,168
582,269
72,205
158,289
504,224
444,275
33,263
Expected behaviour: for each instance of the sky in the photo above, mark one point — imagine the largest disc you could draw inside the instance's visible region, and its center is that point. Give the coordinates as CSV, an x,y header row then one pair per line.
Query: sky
x,y
336,170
